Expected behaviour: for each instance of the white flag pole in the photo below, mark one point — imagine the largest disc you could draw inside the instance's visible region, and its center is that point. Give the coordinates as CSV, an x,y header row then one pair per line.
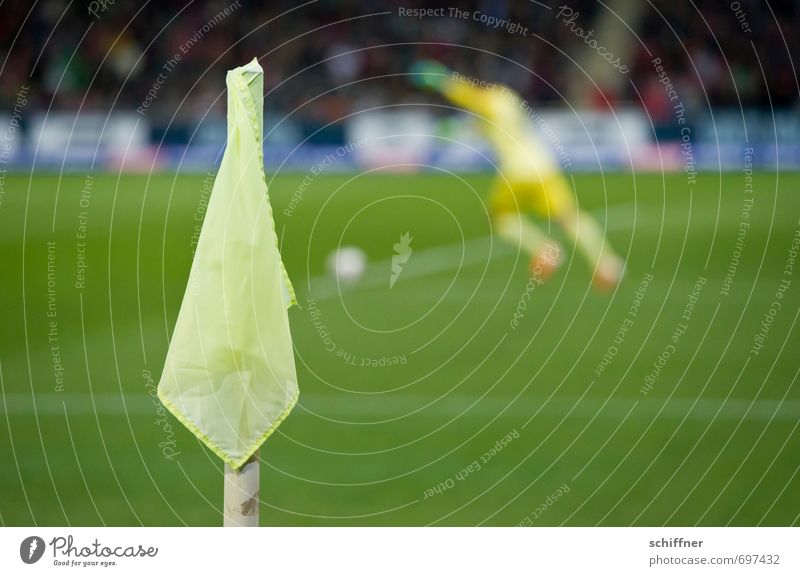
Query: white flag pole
x,y
240,501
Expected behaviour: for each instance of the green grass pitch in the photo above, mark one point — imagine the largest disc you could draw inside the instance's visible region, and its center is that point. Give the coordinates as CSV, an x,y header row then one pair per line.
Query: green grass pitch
x,y
462,395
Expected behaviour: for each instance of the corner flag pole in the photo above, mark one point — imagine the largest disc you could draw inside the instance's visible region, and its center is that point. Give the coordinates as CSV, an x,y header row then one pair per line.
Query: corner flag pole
x,y
241,494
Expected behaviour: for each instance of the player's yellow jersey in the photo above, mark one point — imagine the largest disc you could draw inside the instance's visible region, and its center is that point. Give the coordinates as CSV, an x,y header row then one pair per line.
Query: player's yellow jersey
x,y
506,122
529,176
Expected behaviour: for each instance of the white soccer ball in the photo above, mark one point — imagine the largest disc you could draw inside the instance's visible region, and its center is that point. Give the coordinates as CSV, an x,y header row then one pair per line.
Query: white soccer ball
x,y
346,264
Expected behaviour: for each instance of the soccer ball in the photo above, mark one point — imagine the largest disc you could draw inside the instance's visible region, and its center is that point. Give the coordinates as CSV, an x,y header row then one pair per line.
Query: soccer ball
x,y
346,264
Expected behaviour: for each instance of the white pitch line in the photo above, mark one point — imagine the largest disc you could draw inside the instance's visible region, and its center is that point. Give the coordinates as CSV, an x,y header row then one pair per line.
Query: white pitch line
x,y
353,406
449,257
424,263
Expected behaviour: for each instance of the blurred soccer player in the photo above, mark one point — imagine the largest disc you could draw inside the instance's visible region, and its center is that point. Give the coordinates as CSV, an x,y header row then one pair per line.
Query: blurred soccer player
x,y
529,179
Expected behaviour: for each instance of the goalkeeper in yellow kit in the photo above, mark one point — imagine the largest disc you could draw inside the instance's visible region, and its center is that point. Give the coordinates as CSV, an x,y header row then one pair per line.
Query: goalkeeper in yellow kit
x,y
529,180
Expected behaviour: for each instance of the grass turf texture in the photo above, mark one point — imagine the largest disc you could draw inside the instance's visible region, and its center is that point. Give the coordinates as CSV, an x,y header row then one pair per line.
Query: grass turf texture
x,y
414,441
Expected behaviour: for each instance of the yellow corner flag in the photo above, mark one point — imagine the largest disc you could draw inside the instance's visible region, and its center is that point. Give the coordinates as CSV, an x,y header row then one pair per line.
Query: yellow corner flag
x,y
229,375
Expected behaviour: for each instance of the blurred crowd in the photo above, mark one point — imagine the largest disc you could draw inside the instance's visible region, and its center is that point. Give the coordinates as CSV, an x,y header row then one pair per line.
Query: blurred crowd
x,y
324,59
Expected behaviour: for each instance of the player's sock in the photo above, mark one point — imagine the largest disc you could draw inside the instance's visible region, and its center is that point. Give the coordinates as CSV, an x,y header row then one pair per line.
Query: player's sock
x,y
609,272
546,261
519,231
590,240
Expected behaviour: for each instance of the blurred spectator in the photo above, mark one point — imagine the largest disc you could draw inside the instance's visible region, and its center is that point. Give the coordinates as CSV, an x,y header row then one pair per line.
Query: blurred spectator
x,y
715,54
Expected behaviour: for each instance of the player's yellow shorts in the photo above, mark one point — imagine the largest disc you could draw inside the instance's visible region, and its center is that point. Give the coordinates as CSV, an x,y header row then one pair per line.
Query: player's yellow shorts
x,y
550,198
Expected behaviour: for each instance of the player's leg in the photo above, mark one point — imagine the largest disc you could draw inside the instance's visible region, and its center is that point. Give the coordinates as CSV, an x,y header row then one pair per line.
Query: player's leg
x,y
513,226
590,240
587,234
